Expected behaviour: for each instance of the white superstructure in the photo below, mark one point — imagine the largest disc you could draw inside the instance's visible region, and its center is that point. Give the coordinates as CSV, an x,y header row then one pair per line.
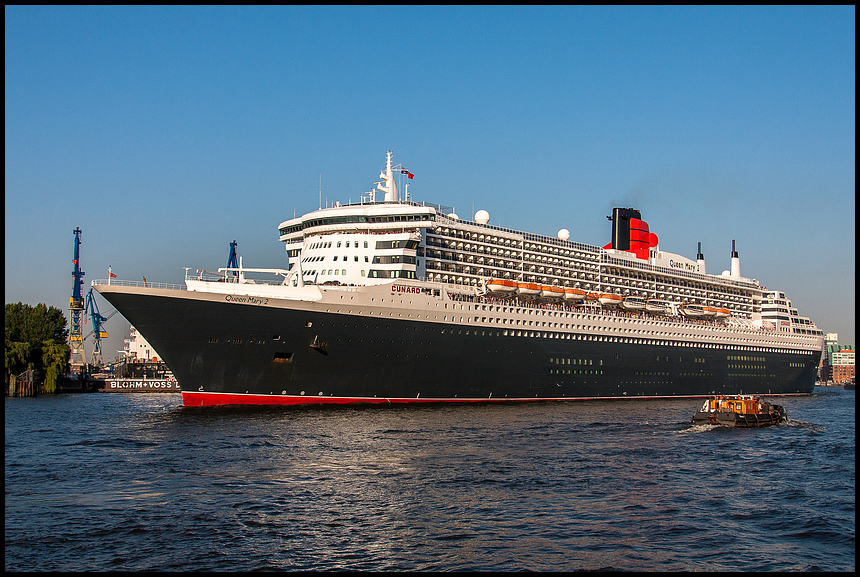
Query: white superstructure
x,y
137,349
373,242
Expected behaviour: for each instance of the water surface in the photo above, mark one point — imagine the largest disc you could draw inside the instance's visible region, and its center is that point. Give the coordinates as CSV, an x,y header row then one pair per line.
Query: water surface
x,y
138,482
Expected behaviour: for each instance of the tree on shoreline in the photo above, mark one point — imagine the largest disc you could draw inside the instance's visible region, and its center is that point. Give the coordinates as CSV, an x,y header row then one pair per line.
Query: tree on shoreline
x,y
35,338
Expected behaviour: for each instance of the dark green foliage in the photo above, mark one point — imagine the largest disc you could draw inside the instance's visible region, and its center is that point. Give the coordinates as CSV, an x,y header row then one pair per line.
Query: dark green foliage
x,y
35,339
35,324
55,360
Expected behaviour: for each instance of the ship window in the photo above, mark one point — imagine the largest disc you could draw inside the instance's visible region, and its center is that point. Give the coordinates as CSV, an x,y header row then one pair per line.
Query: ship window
x,y
365,244
338,244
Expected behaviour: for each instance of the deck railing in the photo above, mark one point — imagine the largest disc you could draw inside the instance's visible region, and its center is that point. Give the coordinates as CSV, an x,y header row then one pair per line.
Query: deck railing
x,y
138,283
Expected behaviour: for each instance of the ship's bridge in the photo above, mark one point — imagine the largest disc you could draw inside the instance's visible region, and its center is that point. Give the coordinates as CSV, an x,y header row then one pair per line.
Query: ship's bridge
x,y
363,217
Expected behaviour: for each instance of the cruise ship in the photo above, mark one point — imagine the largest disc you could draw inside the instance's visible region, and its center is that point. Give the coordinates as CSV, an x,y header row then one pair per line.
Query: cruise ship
x,y
390,300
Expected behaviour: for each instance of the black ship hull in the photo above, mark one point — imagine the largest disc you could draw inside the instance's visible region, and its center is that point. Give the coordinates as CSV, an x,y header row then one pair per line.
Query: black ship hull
x,y
222,352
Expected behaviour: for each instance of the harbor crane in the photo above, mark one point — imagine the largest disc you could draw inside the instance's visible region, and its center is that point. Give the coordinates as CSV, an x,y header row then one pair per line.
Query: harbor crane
x,y
98,332
232,259
76,307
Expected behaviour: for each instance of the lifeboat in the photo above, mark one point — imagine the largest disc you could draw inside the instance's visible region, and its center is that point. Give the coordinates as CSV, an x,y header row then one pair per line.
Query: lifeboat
x,y
709,311
609,299
528,288
657,306
499,285
723,313
692,310
551,292
592,296
633,303
574,294
739,411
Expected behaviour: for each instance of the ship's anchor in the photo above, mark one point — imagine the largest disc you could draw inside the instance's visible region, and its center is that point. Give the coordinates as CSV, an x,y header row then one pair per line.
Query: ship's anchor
x,y
318,345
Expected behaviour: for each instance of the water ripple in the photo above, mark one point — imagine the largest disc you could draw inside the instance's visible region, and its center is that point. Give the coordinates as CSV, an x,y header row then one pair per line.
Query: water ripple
x,y
139,483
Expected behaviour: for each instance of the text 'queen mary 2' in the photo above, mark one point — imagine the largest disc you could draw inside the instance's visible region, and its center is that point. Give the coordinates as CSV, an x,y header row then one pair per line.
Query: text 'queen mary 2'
x,y
396,301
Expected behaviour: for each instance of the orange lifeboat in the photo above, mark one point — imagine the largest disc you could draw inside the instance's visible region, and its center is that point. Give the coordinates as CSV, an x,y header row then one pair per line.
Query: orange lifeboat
x,y
609,299
574,294
500,285
528,288
551,292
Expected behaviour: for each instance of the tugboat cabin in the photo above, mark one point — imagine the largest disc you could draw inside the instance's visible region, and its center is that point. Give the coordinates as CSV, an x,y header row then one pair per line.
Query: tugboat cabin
x,y
742,404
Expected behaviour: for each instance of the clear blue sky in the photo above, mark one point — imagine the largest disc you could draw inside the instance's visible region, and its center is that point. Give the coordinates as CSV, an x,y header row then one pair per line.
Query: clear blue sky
x,y
164,133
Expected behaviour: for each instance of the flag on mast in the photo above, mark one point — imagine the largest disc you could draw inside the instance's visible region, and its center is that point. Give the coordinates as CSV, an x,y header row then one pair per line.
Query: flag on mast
x,y
407,173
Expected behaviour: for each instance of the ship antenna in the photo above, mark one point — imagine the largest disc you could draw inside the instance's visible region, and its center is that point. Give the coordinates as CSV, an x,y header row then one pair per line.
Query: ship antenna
x,y
390,186
320,192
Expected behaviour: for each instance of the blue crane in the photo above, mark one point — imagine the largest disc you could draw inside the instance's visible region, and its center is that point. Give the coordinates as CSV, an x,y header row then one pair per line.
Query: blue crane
x,y
76,306
232,259
98,332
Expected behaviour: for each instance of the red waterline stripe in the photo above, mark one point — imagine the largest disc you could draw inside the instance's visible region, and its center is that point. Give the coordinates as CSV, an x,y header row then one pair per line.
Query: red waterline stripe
x,y
195,399
192,399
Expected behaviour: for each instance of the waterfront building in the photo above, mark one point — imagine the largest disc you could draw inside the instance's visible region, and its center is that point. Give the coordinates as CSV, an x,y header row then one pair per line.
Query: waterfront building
x,y
837,364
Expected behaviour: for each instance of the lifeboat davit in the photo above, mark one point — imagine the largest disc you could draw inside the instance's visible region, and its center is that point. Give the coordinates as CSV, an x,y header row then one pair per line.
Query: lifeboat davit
x,y
528,288
657,306
692,310
500,285
574,294
551,292
632,303
609,299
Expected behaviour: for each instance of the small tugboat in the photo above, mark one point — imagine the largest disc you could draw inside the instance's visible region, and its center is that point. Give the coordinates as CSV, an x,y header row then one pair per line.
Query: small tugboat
x,y
739,411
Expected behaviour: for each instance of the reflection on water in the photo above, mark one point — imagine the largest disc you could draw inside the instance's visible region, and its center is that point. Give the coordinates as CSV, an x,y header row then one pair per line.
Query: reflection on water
x,y
137,482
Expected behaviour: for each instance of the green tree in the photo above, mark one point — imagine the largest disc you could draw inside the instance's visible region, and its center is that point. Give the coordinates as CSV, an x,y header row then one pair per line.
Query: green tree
x,y
35,324
55,360
35,337
17,358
